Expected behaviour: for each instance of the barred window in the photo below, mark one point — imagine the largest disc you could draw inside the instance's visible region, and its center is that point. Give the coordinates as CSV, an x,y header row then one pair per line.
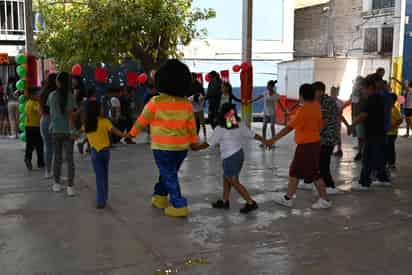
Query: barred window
x,y
12,16
371,40
387,40
382,4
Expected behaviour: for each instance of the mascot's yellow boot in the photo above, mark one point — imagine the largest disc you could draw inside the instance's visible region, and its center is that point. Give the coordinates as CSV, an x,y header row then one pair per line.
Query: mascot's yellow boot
x,y
177,212
160,202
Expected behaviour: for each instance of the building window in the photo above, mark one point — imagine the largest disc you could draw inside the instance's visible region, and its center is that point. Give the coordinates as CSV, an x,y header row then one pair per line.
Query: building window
x,y
371,40
387,40
11,16
382,4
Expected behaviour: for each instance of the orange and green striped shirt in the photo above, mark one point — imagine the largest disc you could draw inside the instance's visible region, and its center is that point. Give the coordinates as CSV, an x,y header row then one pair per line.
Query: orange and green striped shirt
x,y
172,123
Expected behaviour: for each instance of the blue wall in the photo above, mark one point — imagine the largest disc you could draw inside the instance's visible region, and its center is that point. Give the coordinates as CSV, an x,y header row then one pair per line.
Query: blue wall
x,y
407,52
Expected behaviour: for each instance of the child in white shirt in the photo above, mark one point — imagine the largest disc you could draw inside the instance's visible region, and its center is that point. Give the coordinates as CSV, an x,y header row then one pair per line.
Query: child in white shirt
x,y
229,135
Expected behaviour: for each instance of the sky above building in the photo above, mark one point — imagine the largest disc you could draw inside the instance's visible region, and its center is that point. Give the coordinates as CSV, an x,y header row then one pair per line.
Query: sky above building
x,y
267,19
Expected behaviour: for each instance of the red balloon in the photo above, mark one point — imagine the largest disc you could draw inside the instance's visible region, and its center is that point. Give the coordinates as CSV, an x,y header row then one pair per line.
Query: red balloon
x,y
77,70
142,78
245,66
208,78
101,75
236,68
132,79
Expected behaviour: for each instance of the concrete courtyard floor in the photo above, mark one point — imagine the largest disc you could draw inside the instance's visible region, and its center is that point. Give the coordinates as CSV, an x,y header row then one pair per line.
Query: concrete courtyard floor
x,y
44,233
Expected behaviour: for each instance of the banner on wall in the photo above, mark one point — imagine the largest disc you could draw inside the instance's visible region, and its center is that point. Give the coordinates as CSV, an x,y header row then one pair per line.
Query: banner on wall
x,y
4,59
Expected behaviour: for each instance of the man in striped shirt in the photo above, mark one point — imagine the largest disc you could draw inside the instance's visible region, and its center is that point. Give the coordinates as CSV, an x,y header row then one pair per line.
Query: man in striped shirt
x,y
172,130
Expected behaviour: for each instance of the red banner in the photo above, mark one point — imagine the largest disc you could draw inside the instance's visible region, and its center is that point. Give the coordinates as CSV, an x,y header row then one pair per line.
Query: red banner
x,y
225,75
199,77
32,71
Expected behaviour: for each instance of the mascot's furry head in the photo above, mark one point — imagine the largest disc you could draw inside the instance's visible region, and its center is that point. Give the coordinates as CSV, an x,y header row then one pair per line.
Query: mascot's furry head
x,y
174,78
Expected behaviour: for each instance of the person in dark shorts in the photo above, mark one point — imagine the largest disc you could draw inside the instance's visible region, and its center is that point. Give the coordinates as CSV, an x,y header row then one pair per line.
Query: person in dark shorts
x,y
305,165
329,135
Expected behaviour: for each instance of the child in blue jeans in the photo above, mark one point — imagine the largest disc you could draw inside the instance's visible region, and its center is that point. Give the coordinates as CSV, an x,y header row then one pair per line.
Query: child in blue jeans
x,y
97,129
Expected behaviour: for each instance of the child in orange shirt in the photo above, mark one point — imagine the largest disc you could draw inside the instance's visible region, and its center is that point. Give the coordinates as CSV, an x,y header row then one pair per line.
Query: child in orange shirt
x,y
305,165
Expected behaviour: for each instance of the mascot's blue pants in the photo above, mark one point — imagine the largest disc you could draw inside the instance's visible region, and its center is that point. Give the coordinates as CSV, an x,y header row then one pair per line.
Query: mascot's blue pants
x,y
169,163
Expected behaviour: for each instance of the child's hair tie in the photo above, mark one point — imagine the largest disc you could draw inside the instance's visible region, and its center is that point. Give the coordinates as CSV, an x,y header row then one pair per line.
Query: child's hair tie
x,y
230,119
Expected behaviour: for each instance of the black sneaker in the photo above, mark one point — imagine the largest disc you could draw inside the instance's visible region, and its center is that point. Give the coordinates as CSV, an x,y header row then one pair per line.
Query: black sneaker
x,y
129,141
28,165
249,207
80,148
101,206
221,205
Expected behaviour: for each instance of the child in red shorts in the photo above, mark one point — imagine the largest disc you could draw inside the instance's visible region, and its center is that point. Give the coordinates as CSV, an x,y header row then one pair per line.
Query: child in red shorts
x,y
305,165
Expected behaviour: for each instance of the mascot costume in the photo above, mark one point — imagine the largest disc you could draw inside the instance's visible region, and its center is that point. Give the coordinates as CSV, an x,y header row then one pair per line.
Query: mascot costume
x,y
172,131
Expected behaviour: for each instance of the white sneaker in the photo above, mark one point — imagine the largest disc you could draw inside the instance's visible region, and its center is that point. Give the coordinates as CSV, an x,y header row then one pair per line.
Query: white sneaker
x,y
56,187
305,186
381,183
357,187
280,199
48,175
322,204
333,191
70,191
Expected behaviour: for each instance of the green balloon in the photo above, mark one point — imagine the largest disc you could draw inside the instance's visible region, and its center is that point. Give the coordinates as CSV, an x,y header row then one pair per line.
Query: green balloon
x,y
22,99
22,108
23,136
21,71
22,117
21,85
22,126
21,59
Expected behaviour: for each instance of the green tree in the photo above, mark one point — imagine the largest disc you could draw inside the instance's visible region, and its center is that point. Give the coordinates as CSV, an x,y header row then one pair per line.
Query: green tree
x,y
109,31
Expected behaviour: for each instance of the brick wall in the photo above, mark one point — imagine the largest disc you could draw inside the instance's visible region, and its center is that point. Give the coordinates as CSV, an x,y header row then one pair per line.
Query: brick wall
x,y
311,31
346,18
338,18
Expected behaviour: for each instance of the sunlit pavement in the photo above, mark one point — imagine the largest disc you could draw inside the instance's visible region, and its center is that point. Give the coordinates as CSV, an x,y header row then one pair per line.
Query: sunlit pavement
x,y
45,233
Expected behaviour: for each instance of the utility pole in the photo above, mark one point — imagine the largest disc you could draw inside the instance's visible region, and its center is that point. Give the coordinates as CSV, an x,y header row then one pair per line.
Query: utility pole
x,y
28,14
247,29
246,76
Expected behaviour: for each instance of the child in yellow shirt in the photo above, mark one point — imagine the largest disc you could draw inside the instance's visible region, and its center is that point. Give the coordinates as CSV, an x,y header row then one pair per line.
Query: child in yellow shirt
x,y
392,135
97,129
33,136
